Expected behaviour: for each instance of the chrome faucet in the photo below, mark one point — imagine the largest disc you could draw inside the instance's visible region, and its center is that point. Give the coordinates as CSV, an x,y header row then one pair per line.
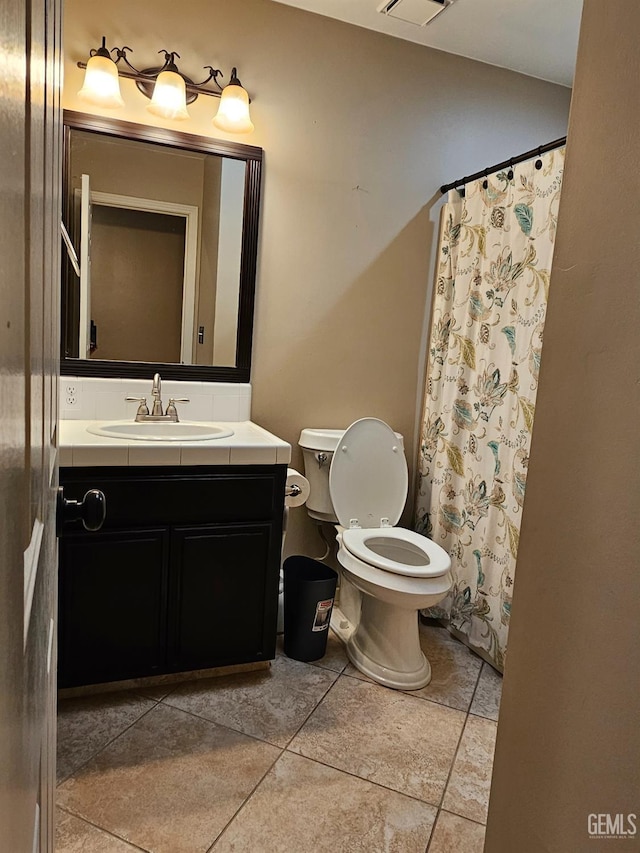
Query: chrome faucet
x,y
156,390
171,414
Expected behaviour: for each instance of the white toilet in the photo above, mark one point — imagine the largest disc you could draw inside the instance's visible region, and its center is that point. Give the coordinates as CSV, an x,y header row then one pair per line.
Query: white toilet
x,y
396,571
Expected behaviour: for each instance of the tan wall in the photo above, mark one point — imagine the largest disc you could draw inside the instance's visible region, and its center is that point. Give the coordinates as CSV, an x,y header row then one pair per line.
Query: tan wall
x,y
359,131
137,169
568,739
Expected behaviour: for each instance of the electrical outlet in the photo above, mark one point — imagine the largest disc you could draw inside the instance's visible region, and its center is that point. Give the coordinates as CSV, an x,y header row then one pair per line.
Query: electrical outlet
x,y
71,396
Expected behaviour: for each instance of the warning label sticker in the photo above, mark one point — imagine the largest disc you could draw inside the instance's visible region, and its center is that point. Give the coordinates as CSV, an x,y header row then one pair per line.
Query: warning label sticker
x,y
323,615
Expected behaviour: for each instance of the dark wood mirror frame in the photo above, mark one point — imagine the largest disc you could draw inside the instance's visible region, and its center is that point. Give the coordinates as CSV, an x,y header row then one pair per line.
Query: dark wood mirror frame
x,y
252,190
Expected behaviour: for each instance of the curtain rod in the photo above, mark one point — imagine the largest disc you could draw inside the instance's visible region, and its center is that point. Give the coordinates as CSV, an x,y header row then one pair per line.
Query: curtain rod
x,y
535,152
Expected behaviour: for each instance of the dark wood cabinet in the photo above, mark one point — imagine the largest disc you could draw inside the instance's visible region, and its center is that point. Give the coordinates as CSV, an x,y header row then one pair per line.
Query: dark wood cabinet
x,y
113,604
218,597
182,576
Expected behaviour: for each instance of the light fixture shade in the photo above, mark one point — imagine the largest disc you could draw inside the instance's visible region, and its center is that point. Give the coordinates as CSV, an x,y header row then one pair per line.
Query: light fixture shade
x,y
233,112
169,96
101,85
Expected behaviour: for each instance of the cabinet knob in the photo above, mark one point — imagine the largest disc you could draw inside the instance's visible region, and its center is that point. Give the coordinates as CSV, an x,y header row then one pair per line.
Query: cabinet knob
x,y
91,510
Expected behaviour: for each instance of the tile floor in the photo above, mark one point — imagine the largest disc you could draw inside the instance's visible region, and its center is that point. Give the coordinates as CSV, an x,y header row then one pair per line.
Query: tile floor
x,y
300,757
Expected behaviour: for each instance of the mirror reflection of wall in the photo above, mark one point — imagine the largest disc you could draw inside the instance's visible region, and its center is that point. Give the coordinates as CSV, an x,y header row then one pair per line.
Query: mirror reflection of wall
x,y
166,239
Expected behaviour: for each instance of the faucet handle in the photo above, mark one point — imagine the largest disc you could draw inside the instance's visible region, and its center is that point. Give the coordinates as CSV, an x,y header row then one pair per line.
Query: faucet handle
x,y
172,412
143,409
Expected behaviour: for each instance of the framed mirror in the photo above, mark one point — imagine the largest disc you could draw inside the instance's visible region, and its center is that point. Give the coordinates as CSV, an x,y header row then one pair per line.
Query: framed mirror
x,y
164,228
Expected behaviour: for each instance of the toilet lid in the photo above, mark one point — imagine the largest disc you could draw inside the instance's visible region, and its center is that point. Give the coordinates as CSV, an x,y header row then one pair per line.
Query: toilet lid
x,y
368,476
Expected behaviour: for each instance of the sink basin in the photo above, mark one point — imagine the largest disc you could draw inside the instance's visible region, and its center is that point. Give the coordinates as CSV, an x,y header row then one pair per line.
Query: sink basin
x,y
160,431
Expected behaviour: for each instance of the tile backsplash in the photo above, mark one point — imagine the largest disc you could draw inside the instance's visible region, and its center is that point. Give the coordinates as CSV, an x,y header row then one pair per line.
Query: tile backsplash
x,y
90,399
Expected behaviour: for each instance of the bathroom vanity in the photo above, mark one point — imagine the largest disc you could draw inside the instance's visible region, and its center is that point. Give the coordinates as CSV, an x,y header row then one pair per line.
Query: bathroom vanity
x,y
183,575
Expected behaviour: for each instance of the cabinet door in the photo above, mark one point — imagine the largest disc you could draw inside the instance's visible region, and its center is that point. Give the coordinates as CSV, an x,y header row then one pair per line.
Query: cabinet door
x,y
112,606
224,590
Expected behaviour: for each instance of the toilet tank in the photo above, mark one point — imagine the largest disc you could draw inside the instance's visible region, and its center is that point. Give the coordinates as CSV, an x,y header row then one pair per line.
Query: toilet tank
x,y
318,447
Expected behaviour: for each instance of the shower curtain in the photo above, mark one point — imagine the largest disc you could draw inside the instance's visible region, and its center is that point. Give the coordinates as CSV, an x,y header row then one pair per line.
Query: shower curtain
x,y
490,302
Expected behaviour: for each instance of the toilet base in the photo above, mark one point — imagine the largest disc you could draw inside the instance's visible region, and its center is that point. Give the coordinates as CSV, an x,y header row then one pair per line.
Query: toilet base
x,y
386,646
386,676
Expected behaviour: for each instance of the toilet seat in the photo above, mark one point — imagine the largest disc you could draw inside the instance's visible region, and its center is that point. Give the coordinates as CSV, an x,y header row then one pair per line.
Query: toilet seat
x,y
394,549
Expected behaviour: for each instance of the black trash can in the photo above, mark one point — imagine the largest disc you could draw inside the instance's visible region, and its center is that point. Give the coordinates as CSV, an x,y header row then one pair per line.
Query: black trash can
x,y
309,590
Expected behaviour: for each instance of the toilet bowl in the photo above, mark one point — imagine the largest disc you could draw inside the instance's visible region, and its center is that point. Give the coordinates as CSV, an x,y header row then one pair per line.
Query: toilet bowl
x,y
397,571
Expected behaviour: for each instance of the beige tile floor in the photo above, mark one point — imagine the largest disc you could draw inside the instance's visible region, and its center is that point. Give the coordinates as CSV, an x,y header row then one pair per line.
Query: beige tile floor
x,y
300,757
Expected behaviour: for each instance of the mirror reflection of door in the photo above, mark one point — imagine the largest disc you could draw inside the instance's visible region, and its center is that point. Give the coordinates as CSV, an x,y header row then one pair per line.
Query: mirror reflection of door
x,y
143,273
139,261
166,249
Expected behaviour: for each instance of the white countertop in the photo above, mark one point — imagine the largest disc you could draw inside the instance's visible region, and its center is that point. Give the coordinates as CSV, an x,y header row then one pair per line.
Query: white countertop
x,y
249,445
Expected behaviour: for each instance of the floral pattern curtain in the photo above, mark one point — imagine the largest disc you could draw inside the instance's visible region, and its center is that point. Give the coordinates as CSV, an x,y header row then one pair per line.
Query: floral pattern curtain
x,y
490,304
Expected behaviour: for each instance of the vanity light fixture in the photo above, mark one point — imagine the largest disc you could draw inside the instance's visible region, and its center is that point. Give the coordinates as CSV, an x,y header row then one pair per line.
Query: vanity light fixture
x,y
169,99
167,87
101,85
233,112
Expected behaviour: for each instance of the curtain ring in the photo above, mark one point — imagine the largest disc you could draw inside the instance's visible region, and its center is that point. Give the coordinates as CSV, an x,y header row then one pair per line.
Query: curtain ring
x,y
485,183
510,172
538,163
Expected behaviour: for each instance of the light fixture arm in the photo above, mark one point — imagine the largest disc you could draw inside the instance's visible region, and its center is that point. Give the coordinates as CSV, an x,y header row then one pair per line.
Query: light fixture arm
x,y
170,60
121,54
214,73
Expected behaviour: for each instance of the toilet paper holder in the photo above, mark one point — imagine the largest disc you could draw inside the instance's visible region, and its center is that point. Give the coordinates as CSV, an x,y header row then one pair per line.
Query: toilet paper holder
x,y
296,488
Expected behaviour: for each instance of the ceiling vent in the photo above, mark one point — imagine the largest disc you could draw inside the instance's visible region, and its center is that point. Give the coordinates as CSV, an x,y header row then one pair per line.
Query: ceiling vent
x,y
418,12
